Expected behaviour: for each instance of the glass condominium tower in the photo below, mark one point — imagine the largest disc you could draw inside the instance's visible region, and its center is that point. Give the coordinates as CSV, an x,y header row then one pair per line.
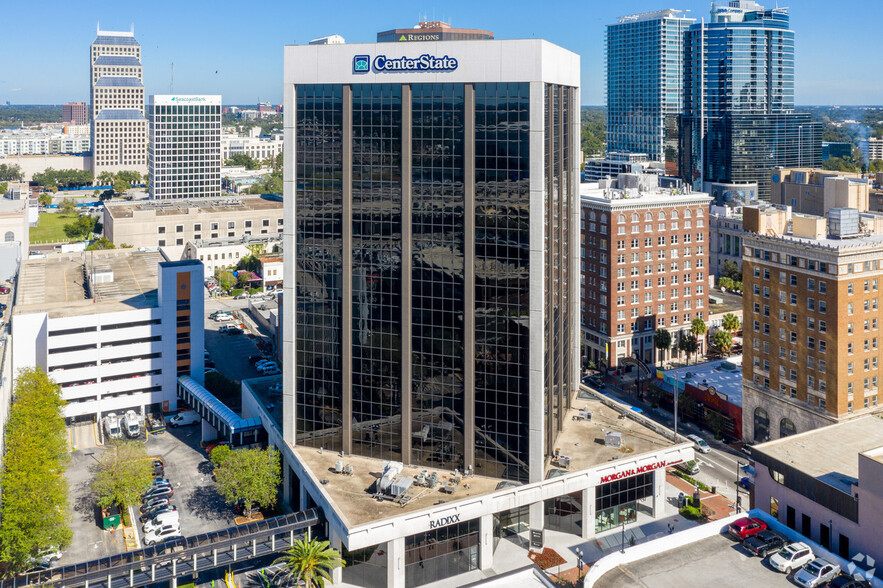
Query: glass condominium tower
x,y
645,84
739,120
431,206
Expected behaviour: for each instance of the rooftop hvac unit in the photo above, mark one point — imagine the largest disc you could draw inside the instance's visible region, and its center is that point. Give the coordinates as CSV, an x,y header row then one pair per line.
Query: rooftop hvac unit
x,y
843,222
390,470
613,439
400,485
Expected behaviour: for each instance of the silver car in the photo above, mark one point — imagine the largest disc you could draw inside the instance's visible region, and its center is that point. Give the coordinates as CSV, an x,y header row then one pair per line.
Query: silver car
x,y
816,573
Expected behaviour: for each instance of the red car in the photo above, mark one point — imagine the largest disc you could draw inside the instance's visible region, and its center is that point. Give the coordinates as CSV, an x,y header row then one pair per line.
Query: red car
x,y
746,527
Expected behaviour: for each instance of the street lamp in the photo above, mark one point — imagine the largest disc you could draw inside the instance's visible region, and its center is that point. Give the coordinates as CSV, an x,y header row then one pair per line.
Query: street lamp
x,y
579,561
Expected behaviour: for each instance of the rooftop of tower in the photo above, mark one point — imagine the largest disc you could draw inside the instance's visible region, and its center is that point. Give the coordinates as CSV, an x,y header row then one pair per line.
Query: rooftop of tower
x,y
115,38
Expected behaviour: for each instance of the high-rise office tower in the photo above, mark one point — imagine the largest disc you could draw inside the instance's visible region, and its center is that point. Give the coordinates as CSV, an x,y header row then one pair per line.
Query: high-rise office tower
x,y
645,84
185,147
739,120
74,113
119,125
434,241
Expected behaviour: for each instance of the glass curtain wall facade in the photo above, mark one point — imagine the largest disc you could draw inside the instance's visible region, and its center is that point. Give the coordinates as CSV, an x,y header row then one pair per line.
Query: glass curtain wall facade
x,y
645,84
412,270
739,120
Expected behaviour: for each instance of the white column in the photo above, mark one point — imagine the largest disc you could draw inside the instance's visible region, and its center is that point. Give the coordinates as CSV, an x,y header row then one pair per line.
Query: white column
x,y
336,543
486,542
588,520
537,516
395,562
658,493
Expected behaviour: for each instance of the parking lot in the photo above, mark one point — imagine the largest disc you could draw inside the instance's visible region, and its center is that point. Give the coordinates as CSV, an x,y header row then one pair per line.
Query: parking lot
x,y
717,561
230,353
201,509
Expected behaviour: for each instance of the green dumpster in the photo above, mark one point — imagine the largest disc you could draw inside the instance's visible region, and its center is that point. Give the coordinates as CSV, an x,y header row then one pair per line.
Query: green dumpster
x,y
111,517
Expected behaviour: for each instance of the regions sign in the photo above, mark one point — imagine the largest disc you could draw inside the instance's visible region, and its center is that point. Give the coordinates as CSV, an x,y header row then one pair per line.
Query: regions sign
x,y
419,37
634,471
425,62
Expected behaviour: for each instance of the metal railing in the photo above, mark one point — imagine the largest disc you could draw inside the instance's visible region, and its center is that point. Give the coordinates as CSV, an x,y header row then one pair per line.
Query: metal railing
x,y
179,557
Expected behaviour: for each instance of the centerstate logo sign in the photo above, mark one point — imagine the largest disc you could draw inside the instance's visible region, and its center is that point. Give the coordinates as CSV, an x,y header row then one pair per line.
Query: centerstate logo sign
x,y
361,63
382,63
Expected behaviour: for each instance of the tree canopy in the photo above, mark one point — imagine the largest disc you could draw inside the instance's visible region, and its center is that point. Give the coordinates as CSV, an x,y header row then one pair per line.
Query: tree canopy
x,y
102,243
698,327
731,322
251,476
10,171
34,510
82,228
593,130
54,179
122,474
722,340
243,160
310,561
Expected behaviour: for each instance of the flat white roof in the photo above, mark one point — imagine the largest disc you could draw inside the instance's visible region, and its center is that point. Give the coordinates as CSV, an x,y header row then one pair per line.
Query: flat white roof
x,y
724,375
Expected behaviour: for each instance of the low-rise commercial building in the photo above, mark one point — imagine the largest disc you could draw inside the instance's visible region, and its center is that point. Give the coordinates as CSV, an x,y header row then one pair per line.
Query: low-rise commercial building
x,y
615,163
725,237
812,332
271,271
716,390
114,329
255,145
827,484
227,251
162,224
815,191
645,265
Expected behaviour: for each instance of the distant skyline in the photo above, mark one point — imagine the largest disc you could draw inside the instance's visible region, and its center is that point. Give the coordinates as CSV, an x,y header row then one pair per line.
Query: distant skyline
x,y
235,49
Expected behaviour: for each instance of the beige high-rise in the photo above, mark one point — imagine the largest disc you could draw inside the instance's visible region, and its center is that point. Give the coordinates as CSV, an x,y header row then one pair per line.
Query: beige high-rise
x,y
119,125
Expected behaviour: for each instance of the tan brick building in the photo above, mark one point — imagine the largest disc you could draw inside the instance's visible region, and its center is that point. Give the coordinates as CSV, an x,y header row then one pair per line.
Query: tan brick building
x,y
174,223
815,191
813,341
644,266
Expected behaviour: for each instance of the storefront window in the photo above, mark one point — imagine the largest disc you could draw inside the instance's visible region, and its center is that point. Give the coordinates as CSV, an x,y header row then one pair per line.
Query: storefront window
x,y
509,523
441,553
618,502
366,567
565,513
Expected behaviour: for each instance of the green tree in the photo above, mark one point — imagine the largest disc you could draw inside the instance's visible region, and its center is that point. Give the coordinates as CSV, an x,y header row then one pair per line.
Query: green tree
x,y
715,422
130,177
309,561
731,322
737,286
122,474
277,162
593,130
730,269
243,160
725,283
121,187
10,171
67,206
662,341
875,165
722,340
4,188
842,164
250,475
45,199
698,327
226,279
34,510
105,178
82,228
220,453
99,244
688,344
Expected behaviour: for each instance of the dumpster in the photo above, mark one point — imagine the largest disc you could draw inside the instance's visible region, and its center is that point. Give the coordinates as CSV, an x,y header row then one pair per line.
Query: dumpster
x,y
111,517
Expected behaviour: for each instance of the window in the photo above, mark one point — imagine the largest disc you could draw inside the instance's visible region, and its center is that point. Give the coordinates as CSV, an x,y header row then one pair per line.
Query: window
x,y
179,228
161,230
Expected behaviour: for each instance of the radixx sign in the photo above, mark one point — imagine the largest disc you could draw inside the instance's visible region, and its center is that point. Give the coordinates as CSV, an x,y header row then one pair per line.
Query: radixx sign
x,y
634,471
444,521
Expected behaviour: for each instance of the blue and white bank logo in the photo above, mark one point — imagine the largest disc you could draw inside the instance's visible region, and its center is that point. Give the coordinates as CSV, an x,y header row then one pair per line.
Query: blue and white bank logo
x,y
361,63
425,62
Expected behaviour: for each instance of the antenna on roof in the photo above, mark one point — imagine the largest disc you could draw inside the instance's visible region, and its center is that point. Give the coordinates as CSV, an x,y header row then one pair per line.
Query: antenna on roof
x,y
98,28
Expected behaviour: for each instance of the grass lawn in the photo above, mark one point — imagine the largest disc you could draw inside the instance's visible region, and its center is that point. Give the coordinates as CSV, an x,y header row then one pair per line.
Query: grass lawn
x,y
50,227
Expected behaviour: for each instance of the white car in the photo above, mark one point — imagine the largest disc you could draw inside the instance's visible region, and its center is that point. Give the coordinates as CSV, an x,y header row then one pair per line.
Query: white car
x,y
699,443
224,317
792,557
162,533
816,573
166,519
271,370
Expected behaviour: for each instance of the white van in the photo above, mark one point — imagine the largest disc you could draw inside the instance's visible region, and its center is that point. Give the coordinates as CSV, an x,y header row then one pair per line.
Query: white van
x,y
161,520
184,418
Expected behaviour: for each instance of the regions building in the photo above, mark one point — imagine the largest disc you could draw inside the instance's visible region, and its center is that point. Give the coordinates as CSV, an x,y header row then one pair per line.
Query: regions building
x,y
811,321
645,80
738,119
119,124
114,329
644,266
827,484
446,338
815,191
174,223
74,113
431,31
184,160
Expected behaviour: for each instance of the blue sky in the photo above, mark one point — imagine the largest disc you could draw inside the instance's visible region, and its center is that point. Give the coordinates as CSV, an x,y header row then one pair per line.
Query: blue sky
x,y
235,48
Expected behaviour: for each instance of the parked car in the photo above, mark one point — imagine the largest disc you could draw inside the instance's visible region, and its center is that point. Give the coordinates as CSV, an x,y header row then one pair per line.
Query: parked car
x,y
689,467
792,557
271,370
846,581
218,313
158,492
161,534
169,518
816,573
184,418
234,331
745,527
699,443
223,318
153,512
764,543
154,503
5,290
159,482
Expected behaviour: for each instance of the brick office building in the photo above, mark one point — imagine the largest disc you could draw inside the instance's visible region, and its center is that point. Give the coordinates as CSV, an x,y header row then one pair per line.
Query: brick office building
x,y
812,333
644,265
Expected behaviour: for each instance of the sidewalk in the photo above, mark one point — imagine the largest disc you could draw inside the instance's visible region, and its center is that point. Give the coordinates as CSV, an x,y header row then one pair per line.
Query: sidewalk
x,y
721,506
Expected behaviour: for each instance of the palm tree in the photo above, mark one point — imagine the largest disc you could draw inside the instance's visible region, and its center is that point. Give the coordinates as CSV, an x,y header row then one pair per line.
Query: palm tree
x,y
309,561
105,178
698,328
731,322
662,341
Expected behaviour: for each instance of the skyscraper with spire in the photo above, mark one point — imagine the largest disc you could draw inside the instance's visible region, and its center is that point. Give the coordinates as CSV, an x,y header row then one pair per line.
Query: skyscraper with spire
x,y
119,124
